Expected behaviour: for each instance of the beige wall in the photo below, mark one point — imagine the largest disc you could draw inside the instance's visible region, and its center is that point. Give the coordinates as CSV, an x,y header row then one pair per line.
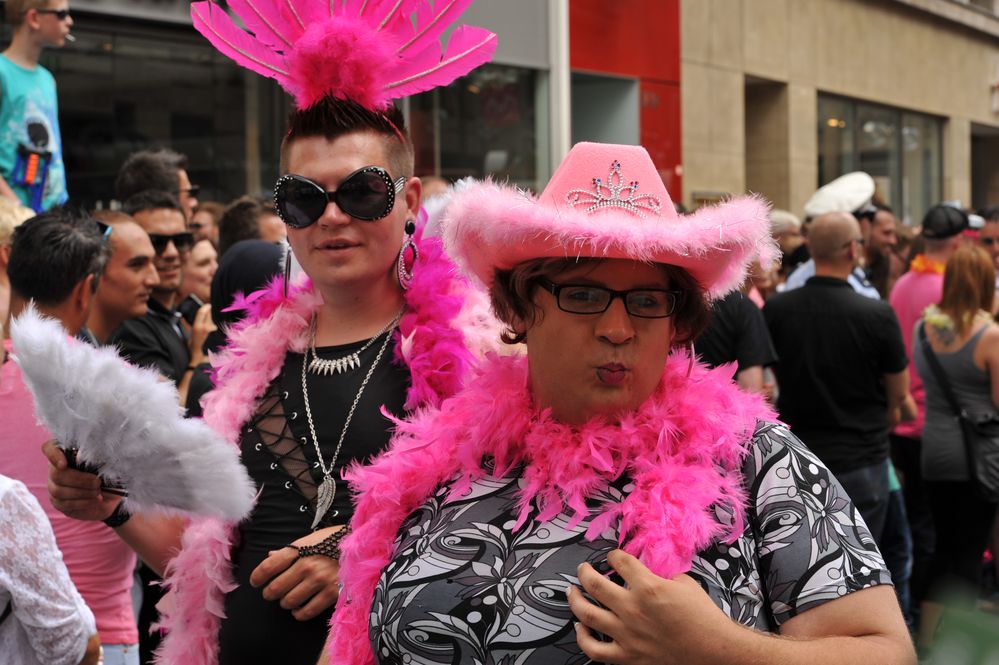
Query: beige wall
x,y
877,50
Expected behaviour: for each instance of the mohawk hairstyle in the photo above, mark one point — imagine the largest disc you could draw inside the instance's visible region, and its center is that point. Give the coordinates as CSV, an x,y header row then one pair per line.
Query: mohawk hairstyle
x,y
332,118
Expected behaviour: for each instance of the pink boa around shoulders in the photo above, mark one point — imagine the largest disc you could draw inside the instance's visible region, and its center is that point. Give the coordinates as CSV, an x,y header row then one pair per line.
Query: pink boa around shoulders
x,y
682,449
434,348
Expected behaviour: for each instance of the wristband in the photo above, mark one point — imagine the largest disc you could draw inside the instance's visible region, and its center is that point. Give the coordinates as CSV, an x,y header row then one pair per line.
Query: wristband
x,y
119,516
328,547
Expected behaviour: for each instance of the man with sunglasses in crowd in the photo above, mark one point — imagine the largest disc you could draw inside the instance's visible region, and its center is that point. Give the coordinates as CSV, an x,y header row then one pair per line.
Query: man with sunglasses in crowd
x,y
158,339
31,166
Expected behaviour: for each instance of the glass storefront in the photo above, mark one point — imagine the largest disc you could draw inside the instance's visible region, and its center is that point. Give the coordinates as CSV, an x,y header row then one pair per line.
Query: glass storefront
x,y
125,87
486,123
901,150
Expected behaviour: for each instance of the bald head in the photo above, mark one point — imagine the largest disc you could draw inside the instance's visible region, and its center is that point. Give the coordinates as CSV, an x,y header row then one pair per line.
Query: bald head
x,y
830,236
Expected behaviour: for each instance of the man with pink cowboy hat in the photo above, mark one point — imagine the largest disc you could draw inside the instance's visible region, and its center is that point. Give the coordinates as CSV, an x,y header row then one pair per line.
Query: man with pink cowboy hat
x,y
607,461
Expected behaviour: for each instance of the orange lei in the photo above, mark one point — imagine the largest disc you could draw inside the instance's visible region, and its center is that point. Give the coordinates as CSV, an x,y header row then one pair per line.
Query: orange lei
x,y
923,264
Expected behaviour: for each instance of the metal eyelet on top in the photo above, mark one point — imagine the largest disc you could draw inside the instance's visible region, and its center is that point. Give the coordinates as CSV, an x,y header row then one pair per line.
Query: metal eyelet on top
x,y
293,416
258,446
302,509
287,484
284,395
274,466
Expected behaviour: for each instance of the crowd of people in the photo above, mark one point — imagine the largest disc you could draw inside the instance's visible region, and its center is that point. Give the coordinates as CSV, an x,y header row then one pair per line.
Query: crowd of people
x,y
578,426
849,345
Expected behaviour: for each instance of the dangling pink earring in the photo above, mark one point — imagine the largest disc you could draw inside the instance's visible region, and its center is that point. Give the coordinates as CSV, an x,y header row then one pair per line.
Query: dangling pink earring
x,y
406,276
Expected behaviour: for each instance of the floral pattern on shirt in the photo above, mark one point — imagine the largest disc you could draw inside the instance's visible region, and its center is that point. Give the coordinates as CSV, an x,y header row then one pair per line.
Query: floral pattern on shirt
x,y
464,588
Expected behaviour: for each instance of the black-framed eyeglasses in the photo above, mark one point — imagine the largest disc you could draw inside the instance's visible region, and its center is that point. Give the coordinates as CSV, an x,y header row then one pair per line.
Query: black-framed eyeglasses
x,y
182,241
367,194
586,299
61,14
193,190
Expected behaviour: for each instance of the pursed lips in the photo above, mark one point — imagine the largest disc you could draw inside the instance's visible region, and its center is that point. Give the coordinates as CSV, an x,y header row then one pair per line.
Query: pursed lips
x,y
612,374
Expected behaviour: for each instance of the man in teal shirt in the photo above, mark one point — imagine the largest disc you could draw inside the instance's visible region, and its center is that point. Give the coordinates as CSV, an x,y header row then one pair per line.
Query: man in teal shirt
x,y
31,167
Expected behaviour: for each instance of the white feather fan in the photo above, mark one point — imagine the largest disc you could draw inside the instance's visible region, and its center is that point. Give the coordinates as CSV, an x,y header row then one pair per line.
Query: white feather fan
x,y
127,422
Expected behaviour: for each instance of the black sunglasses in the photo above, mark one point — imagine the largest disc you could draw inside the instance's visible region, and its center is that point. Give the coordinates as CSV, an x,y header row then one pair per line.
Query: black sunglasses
x,y
585,299
61,14
182,241
366,194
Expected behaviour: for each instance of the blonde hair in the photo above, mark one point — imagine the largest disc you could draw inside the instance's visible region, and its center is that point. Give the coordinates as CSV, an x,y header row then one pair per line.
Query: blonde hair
x,y
969,286
16,9
12,215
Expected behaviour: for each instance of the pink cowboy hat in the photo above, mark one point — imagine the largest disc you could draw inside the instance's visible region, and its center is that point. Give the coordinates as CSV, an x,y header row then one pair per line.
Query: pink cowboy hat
x,y
606,201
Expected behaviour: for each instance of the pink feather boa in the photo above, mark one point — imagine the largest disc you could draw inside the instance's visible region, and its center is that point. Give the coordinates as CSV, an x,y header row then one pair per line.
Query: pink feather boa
x,y
439,360
683,450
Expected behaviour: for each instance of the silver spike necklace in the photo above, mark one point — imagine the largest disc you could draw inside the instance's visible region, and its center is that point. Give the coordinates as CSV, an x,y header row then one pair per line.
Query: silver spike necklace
x,y
327,488
351,361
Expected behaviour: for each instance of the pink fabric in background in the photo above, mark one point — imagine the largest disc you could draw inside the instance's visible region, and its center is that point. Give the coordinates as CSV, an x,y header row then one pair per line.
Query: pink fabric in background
x,y
912,293
99,563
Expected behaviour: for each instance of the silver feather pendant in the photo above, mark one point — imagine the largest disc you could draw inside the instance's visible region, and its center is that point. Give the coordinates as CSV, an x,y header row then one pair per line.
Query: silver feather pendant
x,y
324,500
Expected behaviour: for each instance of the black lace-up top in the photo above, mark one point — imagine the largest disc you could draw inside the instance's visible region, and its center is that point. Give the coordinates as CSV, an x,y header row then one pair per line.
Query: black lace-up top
x,y
287,474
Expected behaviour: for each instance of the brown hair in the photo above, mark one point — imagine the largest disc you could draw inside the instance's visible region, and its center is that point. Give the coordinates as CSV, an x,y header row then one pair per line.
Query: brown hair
x,y
512,296
332,118
213,208
241,221
16,9
969,286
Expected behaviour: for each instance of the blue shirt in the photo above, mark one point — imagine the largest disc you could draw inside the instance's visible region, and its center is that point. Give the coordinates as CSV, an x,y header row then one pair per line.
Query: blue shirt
x,y
804,272
30,142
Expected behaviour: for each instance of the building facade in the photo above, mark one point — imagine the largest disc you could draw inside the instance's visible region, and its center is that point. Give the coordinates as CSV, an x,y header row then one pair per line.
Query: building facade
x,y
728,96
782,95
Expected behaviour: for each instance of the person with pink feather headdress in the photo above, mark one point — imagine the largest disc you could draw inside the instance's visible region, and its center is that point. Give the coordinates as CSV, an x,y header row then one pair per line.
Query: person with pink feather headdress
x,y
381,324
606,497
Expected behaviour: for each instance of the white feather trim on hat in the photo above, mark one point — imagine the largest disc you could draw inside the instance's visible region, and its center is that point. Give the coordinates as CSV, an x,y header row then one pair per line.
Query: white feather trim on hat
x,y
126,421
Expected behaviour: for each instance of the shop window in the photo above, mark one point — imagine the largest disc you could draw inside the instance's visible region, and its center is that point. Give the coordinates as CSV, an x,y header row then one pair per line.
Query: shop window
x,y
485,124
899,149
124,88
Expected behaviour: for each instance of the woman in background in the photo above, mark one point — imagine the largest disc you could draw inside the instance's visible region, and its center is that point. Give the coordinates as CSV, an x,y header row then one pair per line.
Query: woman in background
x,y
965,339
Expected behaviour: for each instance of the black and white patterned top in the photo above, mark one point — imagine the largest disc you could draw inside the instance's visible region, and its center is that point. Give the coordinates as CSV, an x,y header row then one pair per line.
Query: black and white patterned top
x,y
463,588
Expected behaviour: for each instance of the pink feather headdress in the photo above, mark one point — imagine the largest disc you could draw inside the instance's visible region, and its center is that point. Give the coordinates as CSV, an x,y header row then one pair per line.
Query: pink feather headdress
x,y
369,51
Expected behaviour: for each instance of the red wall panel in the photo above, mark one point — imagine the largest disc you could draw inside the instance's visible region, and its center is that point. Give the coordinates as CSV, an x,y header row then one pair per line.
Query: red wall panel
x,y
660,132
639,38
